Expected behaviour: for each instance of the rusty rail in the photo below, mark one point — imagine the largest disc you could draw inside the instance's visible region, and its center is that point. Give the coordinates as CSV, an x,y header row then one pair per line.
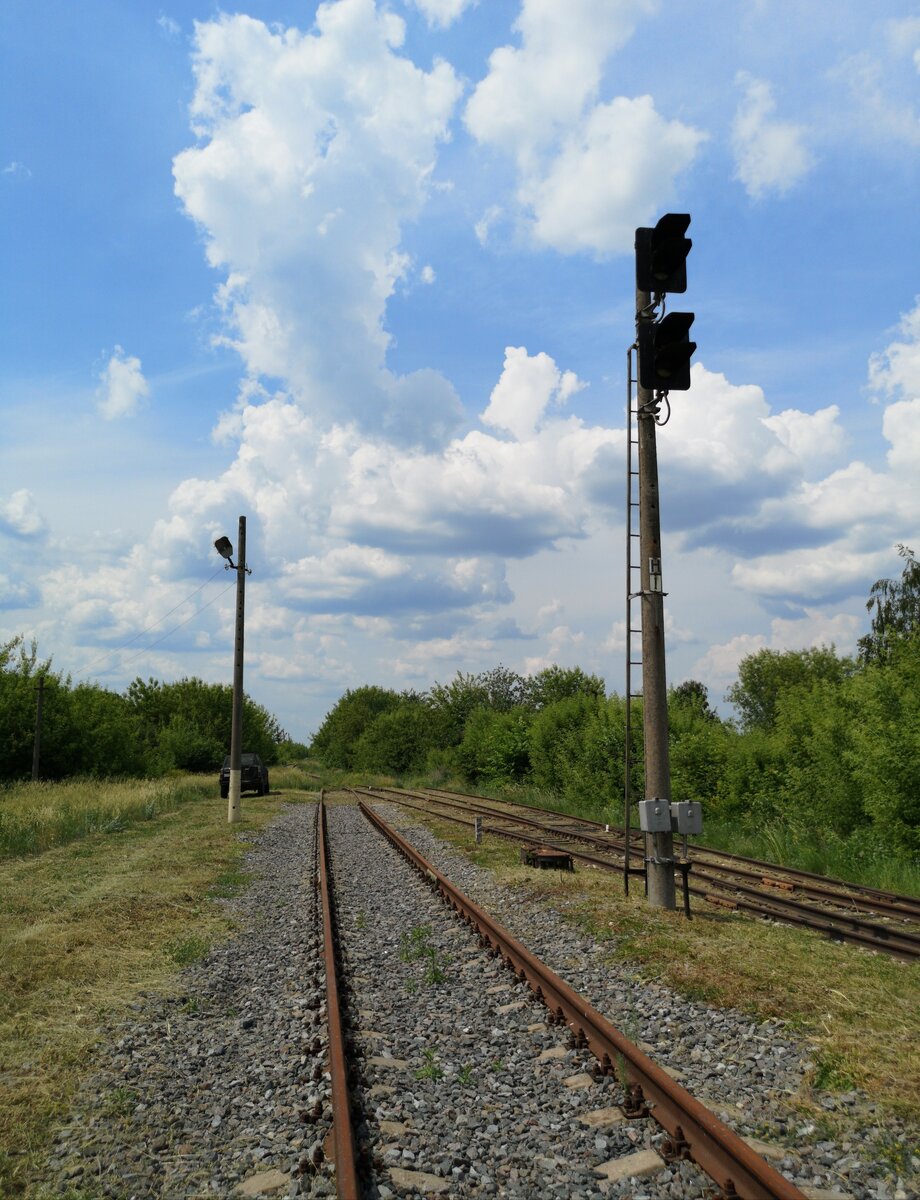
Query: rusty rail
x,y
346,1174
694,1131
894,939
840,891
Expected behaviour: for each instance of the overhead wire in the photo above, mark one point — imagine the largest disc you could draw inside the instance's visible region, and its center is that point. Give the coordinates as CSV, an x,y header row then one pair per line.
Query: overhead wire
x,y
169,632
159,621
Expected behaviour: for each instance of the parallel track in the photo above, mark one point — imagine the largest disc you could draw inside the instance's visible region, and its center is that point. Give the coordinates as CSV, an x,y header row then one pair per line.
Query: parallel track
x,y
809,883
694,1131
727,885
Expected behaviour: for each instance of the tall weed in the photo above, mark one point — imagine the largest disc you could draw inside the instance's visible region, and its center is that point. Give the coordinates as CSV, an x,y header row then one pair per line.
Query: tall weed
x,y
35,817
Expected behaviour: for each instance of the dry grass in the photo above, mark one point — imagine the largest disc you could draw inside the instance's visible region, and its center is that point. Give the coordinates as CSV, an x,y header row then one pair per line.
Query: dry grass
x,y
85,928
36,816
860,1012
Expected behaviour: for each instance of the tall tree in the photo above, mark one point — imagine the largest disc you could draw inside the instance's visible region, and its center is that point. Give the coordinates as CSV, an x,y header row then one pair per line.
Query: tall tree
x,y
895,608
764,676
559,683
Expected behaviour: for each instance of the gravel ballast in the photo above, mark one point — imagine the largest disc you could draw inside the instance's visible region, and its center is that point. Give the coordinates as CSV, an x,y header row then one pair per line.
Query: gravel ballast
x,y
465,1089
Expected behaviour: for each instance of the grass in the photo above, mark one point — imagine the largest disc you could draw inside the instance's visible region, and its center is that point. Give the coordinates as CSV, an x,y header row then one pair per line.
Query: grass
x,y
93,922
34,817
856,859
416,945
859,1012
430,1069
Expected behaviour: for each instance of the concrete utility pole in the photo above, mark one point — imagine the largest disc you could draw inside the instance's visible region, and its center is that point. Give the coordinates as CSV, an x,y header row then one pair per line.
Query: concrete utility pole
x,y
236,722
661,891
39,712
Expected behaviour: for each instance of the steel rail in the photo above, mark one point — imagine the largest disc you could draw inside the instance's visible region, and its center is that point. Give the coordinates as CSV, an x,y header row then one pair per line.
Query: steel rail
x,y
887,902
346,1172
839,927
579,829
695,1132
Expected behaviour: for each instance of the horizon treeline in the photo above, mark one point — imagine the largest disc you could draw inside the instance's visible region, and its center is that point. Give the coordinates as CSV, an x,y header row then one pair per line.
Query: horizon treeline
x,y
822,745
148,730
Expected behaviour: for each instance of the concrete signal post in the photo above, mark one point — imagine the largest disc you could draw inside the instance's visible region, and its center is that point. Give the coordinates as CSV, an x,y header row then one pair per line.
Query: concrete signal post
x,y
664,350
224,548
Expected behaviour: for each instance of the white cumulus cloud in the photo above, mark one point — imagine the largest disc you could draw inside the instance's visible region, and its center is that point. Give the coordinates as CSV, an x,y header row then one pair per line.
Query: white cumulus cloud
x,y
442,13
896,370
589,172
123,386
19,515
528,386
315,148
612,172
770,155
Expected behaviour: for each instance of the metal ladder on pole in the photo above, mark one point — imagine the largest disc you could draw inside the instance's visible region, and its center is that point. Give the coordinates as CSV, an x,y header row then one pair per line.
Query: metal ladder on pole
x,y
633,592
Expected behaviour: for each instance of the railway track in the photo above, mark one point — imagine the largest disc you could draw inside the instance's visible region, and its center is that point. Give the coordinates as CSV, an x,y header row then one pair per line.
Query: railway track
x,y
867,917
693,1132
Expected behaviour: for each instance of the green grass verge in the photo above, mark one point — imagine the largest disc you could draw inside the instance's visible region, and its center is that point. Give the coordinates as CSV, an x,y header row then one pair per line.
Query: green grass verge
x,y
87,926
34,817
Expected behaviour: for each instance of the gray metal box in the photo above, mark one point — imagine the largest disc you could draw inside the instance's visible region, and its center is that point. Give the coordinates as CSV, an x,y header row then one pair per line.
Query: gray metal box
x,y
654,816
687,817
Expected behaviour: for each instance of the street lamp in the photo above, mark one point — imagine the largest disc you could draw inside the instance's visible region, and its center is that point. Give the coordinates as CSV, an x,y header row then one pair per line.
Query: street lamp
x,y
224,548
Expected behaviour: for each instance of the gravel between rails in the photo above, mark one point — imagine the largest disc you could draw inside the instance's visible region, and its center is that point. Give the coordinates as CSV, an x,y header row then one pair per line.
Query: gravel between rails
x,y
227,1085
461,1078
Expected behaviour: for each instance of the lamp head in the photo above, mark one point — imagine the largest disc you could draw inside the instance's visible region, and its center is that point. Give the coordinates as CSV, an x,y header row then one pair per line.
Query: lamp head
x,y
224,548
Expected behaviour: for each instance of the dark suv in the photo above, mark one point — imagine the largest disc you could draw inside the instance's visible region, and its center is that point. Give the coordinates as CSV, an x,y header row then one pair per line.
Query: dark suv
x,y
253,776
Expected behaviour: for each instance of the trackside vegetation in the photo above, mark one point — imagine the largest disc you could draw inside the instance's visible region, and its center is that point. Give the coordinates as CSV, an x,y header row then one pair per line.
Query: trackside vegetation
x,y
148,730
818,768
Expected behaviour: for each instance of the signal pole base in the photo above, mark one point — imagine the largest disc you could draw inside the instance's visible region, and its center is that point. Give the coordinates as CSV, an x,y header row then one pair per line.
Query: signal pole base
x,y
662,892
234,808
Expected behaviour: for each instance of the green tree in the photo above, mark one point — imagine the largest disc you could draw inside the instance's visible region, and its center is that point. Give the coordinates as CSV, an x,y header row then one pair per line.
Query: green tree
x,y
343,725
555,683
185,725
885,741
495,746
577,749
691,696
697,743
895,608
765,675
398,740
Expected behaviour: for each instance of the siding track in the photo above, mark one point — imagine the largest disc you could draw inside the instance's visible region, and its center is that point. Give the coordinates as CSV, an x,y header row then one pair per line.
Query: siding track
x,y
866,917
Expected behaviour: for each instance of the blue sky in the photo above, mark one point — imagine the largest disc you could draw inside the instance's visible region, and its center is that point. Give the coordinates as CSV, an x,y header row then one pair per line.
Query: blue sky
x,y
364,273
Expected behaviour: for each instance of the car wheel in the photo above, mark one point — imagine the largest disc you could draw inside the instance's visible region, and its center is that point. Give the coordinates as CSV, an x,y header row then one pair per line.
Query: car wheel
x,y
224,793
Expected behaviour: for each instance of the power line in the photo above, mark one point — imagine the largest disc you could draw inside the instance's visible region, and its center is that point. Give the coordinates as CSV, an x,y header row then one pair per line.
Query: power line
x,y
195,614
175,608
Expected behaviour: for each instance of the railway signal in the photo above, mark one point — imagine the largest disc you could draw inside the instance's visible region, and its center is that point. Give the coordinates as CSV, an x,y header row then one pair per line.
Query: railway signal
x,y
665,351
661,255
